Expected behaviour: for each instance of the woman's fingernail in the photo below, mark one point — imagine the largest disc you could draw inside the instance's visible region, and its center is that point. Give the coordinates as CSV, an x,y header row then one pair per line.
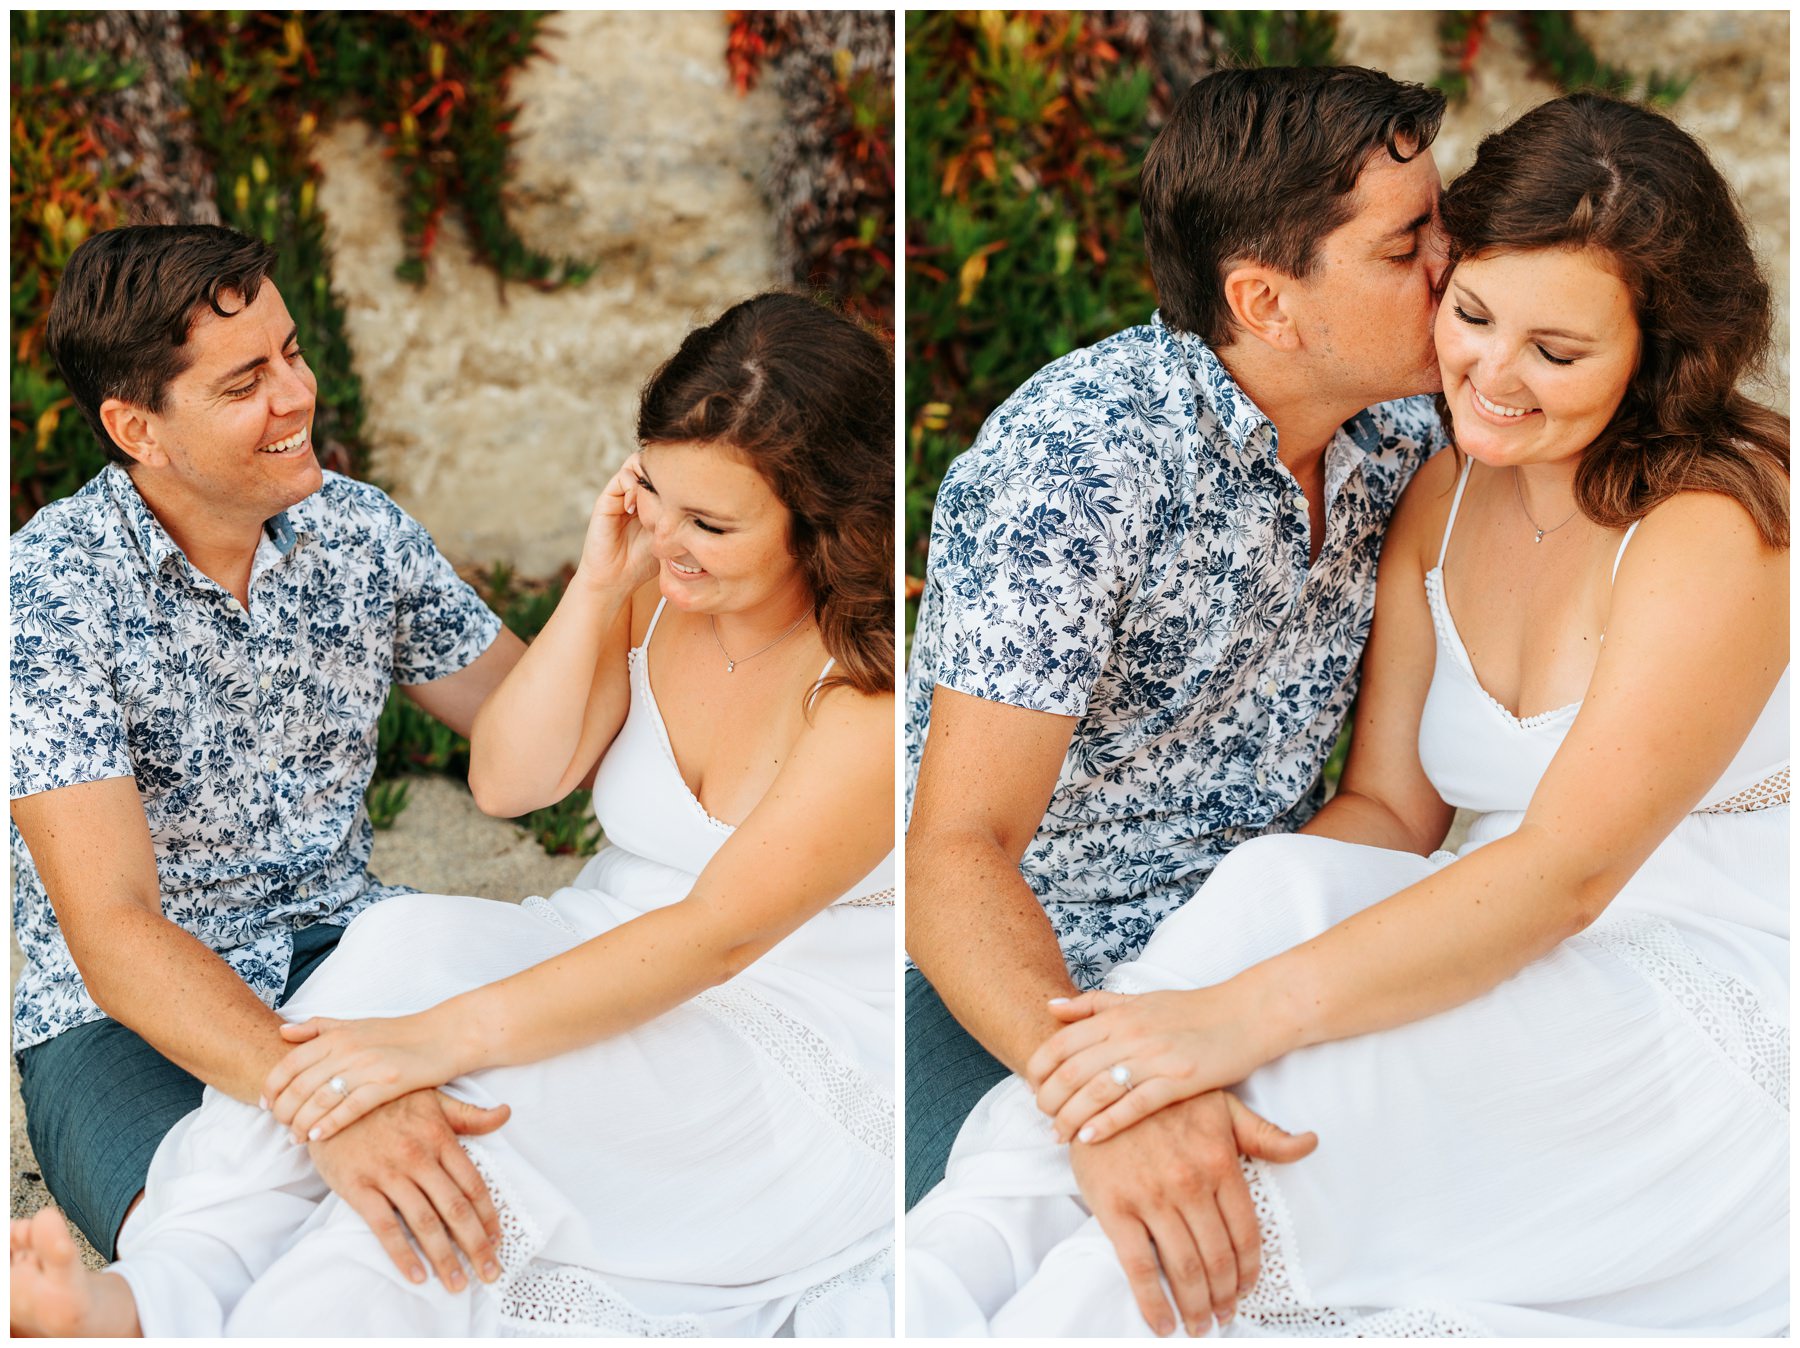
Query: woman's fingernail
x,y
491,1270
1059,1001
313,1136
262,1102
416,1274
1086,1135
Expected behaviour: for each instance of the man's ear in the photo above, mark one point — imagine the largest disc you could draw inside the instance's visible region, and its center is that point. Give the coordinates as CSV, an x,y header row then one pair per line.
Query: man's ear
x,y
1254,294
130,429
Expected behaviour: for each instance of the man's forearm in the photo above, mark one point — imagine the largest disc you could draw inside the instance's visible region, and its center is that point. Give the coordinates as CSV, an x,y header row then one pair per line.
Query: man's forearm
x,y
159,980
982,938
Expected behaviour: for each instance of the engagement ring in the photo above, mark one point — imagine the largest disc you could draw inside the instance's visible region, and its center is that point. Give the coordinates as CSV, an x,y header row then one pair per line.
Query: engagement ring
x,y
1122,1074
337,1084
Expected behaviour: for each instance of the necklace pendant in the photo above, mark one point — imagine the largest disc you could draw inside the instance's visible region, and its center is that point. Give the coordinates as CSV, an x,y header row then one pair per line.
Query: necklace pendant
x,y
731,666
1540,537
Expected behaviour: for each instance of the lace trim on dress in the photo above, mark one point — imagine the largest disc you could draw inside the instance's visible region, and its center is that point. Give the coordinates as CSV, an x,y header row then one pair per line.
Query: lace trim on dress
x,y
1726,1010
638,657
541,907
1771,791
881,898
543,1300
836,1087
1281,1303
1449,636
878,1267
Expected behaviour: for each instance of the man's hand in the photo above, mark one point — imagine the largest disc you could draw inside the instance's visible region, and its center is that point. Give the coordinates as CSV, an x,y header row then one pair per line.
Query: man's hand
x,y
1170,1195
400,1168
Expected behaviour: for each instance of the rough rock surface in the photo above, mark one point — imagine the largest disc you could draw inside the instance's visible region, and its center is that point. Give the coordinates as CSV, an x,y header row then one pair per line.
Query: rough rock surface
x,y
1737,105
496,417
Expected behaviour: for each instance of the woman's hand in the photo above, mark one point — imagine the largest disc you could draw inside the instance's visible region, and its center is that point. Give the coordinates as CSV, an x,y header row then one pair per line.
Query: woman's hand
x,y
1171,1045
338,1070
616,553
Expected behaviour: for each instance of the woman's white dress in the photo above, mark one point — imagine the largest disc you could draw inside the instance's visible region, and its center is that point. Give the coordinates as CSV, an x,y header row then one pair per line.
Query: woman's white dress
x,y
1597,1146
727,1168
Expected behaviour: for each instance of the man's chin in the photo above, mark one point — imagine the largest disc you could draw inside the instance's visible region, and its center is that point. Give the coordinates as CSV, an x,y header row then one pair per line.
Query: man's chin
x,y
308,480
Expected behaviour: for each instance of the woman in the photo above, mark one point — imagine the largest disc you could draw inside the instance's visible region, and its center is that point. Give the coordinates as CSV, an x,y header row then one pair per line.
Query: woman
x,y
1549,1073
695,1039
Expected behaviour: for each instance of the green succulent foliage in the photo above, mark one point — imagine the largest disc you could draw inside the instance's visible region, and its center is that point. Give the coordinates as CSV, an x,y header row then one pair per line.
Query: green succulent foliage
x,y
385,800
567,827
62,191
1268,37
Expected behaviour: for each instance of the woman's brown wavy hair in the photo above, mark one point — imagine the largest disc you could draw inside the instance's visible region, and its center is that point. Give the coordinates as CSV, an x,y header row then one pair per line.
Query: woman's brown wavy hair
x,y
806,397
1589,171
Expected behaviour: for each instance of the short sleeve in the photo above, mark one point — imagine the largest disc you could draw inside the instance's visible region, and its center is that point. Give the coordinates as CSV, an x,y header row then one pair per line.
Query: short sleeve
x,y
440,624
1034,549
67,726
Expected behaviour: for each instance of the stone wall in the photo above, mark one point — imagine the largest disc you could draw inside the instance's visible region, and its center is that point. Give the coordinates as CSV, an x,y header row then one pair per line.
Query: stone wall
x,y
1737,104
497,416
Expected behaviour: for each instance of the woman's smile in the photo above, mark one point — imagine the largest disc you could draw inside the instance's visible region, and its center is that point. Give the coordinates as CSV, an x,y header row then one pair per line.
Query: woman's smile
x,y
1498,412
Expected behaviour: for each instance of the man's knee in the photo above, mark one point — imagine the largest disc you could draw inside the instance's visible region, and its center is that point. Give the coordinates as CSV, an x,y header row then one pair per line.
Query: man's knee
x,y
947,1071
98,1102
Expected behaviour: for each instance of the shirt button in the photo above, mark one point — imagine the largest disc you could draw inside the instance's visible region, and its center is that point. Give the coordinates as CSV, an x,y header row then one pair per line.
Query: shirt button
x,y
1269,688
264,682
269,764
1262,777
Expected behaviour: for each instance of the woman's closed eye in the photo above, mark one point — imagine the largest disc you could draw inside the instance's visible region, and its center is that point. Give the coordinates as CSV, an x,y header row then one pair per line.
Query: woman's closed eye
x,y
699,523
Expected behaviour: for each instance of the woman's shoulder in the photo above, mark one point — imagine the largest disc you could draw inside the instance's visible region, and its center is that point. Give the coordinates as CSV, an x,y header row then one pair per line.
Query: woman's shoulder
x,y
850,711
844,721
1424,508
1692,526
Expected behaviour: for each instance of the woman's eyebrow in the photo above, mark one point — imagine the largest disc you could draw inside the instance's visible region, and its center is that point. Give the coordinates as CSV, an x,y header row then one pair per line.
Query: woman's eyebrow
x,y
644,472
1477,301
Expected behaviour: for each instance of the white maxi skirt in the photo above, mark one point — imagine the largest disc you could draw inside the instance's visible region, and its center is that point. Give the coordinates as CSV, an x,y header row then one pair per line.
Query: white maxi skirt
x,y
725,1169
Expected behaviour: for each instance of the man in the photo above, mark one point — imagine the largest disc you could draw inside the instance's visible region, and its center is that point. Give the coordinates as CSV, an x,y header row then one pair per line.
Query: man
x,y
1149,584
203,638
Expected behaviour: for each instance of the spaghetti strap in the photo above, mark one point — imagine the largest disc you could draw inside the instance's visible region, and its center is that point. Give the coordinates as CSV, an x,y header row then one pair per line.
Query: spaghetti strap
x,y
1621,553
1455,505
649,631
818,683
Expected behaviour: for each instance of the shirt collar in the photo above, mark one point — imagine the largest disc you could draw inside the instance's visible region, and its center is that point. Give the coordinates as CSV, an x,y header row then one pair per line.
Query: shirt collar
x,y
153,540
1239,417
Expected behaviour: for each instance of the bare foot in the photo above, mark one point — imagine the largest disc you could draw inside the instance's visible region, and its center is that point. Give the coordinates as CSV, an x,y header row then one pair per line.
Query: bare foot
x,y
54,1296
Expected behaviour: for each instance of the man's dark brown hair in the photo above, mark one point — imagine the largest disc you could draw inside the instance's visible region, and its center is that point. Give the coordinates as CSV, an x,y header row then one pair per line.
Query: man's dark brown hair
x,y
1258,166
119,324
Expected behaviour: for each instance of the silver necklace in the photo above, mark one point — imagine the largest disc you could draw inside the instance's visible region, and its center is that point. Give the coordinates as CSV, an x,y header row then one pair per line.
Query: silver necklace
x,y
731,664
1520,493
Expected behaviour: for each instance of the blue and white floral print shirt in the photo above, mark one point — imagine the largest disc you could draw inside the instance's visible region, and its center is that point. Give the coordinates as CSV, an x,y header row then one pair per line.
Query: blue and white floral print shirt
x,y
251,735
1120,545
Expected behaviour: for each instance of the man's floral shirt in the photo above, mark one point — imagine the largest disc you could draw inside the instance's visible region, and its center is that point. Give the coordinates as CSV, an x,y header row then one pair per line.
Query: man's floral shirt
x,y
1120,545
251,735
